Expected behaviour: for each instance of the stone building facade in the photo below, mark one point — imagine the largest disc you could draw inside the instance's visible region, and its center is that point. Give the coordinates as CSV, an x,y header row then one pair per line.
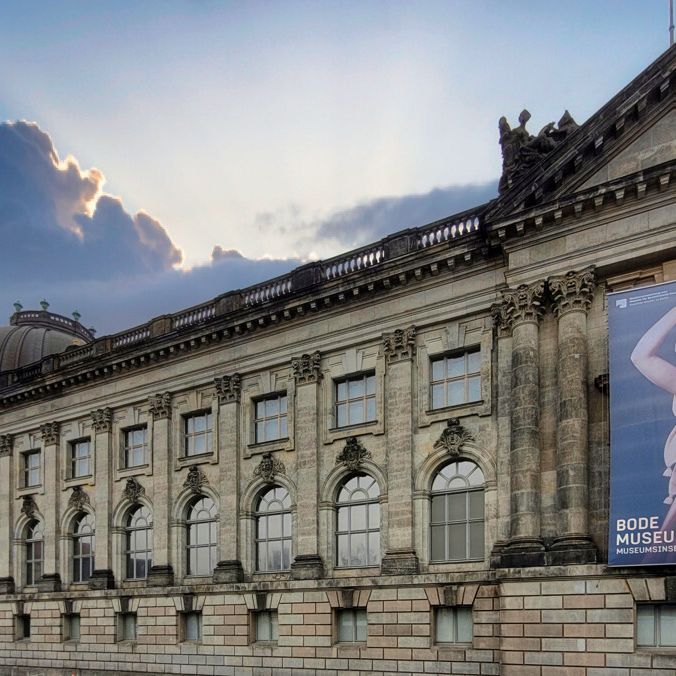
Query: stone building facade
x,y
393,461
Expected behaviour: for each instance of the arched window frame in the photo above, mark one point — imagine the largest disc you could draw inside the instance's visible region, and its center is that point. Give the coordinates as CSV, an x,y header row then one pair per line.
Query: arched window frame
x,y
84,546
34,541
195,541
350,501
138,522
463,479
273,502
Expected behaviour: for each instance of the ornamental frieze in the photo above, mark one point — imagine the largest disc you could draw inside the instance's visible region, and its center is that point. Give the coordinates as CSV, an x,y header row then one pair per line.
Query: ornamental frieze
x,y
353,454
453,438
6,444
195,480
572,291
50,433
159,405
228,388
78,499
102,420
133,491
525,303
268,468
307,368
399,345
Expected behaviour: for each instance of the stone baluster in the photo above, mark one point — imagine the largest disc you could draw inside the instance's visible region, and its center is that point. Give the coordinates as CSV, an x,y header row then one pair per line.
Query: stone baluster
x,y
572,294
523,310
102,426
307,375
399,349
161,572
51,438
6,534
228,389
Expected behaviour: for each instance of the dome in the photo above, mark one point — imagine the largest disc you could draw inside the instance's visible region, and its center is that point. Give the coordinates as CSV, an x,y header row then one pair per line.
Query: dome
x,y
34,334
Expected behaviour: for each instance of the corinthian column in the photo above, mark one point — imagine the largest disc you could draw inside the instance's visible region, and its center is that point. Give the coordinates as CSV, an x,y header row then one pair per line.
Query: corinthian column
x,y
6,534
523,309
51,439
572,294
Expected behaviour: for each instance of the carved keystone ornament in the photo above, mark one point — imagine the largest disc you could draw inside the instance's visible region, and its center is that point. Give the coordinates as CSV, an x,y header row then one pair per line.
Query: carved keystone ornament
x,y
78,499
228,388
195,479
133,491
28,507
159,405
268,468
453,438
50,432
102,419
307,367
353,454
399,345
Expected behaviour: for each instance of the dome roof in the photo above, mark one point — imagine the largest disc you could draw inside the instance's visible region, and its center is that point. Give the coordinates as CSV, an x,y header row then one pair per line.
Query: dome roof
x,y
33,335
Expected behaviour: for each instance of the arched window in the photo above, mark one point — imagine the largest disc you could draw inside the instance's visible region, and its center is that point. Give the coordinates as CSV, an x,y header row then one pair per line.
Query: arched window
x,y
457,517
34,552
358,522
202,536
83,547
139,543
273,530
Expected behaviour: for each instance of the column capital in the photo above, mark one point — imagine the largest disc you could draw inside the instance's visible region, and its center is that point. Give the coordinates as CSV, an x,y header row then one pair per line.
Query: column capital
x,y
159,405
573,291
399,345
50,432
228,388
102,420
523,304
6,444
307,368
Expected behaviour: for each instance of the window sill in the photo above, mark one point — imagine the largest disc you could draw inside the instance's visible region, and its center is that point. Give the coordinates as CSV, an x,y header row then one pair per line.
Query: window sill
x,y
270,442
79,480
134,468
454,407
258,448
197,459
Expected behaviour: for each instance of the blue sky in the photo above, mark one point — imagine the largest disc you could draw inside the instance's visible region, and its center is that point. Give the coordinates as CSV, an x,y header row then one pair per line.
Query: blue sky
x,y
276,128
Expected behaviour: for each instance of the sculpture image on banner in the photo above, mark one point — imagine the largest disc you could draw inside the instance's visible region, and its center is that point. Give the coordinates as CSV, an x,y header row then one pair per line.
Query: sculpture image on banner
x,y
642,330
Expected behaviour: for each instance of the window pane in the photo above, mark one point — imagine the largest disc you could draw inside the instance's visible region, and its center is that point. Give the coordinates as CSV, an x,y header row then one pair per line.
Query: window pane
x,y
260,409
282,428
476,540
360,633
457,544
438,509
645,625
282,404
356,388
343,550
275,526
473,362
464,622
341,391
356,413
668,626
370,409
192,626
455,366
358,549
476,505
342,518
260,431
456,392
275,555
370,384
374,516
438,398
444,628
263,632
345,626
438,369
74,627
438,536
271,430
374,548
341,415
358,517
271,407
474,389
457,506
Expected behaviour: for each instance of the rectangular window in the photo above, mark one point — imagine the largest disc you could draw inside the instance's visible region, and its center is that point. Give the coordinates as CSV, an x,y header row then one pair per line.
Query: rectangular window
x,y
126,626
22,627
455,379
355,400
453,625
31,469
198,433
656,625
351,625
265,625
80,456
192,626
270,418
71,627
135,447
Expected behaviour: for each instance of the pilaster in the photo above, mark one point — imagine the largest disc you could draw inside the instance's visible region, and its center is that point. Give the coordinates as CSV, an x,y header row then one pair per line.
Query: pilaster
x,y
6,535
51,438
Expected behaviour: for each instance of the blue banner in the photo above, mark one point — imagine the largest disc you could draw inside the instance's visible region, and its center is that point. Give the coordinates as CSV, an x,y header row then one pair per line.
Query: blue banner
x,y
642,337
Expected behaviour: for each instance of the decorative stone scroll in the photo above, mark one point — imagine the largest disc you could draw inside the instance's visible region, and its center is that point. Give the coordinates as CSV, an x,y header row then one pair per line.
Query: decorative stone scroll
x,y
159,405
195,480
268,468
228,388
102,420
500,314
524,304
353,454
6,444
307,368
133,491
28,507
572,291
399,345
453,438
50,433
78,499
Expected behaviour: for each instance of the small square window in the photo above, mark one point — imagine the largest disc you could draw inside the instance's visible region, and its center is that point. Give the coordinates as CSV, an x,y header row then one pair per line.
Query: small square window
x,y
453,625
270,418
80,458
656,625
455,379
191,629
31,468
198,433
355,400
71,627
22,627
265,626
136,446
351,625
126,626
